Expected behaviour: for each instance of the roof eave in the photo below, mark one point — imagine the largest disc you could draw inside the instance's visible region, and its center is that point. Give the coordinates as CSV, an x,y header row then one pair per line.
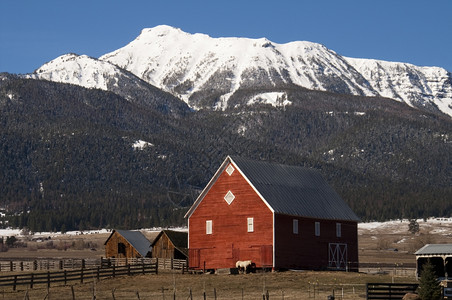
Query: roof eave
x,y
207,188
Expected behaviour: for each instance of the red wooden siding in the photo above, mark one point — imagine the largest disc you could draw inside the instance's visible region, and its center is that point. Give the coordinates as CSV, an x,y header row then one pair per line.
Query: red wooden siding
x,y
306,250
230,240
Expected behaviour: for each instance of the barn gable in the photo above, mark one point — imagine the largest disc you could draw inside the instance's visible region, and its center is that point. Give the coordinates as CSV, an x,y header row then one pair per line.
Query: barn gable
x,y
289,190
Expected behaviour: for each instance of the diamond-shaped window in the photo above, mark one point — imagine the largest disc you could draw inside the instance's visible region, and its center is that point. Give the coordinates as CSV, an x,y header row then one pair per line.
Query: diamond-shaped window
x,y
230,170
229,197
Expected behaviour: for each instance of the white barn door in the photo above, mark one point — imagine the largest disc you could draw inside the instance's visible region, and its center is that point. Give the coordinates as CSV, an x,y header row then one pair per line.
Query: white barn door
x,y
337,256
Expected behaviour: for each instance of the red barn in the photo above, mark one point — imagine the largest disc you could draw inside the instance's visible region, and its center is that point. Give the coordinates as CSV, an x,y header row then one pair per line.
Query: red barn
x,y
276,215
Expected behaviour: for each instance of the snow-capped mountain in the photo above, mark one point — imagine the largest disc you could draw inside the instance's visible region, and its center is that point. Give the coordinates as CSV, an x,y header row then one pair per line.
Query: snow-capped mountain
x,y
205,72
93,73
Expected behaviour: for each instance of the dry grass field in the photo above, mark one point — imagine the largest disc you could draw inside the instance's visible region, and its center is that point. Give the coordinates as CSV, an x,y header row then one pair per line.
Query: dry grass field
x,y
377,244
280,285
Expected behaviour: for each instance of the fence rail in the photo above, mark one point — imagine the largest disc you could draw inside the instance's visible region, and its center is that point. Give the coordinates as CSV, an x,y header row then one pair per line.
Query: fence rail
x,y
65,276
75,264
389,291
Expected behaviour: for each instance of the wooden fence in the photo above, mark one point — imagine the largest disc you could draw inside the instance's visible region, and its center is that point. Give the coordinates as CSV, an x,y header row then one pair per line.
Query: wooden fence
x,y
75,264
65,276
389,291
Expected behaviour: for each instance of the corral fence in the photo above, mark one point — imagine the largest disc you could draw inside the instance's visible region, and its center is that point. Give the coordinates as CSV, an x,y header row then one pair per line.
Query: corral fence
x,y
387,268
389,291
163,263
31,279
15,265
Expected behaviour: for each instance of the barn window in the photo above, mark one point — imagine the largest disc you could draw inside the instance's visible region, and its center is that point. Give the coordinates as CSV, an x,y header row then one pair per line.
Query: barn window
x,y
250,222
229,197
122,248
230,170
295,226
209,227
317,228
338,230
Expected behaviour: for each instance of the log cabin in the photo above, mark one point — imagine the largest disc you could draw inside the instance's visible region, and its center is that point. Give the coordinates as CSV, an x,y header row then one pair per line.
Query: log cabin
x,y
278,216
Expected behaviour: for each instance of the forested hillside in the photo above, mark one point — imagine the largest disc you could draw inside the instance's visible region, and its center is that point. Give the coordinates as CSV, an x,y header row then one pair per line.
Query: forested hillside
x,y
68,161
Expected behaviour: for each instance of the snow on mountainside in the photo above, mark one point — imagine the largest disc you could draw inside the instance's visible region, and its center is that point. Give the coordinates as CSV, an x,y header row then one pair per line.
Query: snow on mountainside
x,y
205,72
80,70
93,73
189,65
417,86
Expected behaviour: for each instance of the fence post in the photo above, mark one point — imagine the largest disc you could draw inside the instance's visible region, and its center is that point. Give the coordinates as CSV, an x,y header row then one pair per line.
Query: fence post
x,y
11,267
114,268
83,263
142,263
48,279
172,263
65,277
156,265
31,281
98,275
128,270
81,275
15,282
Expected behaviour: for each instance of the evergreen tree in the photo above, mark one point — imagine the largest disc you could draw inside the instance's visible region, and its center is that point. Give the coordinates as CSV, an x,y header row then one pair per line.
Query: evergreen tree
x,y
429,288
413,227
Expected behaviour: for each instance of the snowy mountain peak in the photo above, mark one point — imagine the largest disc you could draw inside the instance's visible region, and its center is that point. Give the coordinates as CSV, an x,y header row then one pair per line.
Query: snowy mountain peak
x,y
77,69
205,72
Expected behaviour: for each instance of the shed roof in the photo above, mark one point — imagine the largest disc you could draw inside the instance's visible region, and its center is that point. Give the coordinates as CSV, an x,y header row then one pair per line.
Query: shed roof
x,y
136,239
291,190
435,249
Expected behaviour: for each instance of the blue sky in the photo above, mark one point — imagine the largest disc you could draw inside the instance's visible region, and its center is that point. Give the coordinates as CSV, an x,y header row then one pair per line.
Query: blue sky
x,y
419,32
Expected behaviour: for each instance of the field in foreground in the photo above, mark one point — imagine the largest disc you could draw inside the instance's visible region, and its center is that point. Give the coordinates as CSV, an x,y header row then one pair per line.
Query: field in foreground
x,y
280,285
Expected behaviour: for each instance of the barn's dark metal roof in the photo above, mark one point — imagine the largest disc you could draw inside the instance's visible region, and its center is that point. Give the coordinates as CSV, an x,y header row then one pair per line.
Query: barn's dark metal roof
x,y
435,249
290,190
294,190
136,239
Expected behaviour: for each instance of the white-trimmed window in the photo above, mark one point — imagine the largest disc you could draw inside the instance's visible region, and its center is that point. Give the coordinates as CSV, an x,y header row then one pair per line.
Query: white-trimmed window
x,y
209,227
317,228
338,230
250,224
295,226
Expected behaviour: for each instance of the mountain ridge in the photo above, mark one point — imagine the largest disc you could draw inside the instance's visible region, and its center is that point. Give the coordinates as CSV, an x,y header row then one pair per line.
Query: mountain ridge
x,y
205,72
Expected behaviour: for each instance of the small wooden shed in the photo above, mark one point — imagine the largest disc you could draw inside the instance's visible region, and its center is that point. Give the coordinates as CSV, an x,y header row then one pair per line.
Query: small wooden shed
x,y
170,244
439,255
127,244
